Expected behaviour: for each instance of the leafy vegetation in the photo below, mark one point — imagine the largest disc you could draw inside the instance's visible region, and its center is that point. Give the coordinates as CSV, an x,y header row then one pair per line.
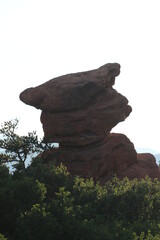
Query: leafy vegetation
x,y
46,202
18,148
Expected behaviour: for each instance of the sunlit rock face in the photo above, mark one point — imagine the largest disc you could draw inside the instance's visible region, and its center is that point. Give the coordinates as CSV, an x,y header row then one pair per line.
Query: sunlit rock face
x,y
78,111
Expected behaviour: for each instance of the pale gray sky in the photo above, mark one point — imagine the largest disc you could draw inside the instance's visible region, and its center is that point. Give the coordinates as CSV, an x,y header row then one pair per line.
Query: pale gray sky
x,y
42,39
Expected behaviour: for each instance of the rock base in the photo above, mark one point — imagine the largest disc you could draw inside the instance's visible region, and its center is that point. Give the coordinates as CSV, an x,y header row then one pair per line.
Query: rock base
x,y
114,155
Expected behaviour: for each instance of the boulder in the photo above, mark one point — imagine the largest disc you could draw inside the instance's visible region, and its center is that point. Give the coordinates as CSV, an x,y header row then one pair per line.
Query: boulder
x,y
80,108
78,111
145,166
101,160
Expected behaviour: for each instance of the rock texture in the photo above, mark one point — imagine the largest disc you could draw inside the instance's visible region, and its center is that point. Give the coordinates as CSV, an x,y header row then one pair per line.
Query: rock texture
x,y
81,108
145,166
78,111
101,160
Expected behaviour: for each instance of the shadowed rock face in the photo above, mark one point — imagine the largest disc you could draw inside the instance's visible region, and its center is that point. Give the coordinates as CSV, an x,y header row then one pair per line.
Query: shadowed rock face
x,y
80,108
73,91
78,111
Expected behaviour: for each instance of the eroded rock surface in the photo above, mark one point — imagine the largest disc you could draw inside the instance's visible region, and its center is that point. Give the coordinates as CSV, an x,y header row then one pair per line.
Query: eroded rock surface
x,y
145,166
81,108
102,160
78,111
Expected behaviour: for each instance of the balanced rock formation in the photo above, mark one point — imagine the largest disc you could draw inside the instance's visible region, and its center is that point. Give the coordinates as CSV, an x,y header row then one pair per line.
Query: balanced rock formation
x,y
78,111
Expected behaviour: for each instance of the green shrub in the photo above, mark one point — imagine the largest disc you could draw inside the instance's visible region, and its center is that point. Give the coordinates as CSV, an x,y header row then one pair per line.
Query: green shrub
x,y
2,237
46,202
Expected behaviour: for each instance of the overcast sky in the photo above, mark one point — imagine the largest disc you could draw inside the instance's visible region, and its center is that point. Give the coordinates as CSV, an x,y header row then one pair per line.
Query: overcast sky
x,y
43,39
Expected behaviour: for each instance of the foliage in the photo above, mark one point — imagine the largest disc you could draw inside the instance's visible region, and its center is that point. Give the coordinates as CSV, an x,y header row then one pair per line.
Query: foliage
x,y
149,236
2,237
16,197
61,205
119,210
18,148
47,202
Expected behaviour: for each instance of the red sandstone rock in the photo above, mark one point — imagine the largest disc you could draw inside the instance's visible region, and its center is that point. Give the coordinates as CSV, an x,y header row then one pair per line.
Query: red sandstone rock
x,y
78,111
145,166
72,91
81,108
101,160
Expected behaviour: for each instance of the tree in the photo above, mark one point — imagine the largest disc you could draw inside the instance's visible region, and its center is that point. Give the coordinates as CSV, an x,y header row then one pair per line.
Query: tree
x,y
16,149
16,197
47,202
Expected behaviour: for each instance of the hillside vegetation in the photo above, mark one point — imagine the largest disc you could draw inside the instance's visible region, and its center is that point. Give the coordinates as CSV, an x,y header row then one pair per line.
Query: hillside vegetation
x,y
46,202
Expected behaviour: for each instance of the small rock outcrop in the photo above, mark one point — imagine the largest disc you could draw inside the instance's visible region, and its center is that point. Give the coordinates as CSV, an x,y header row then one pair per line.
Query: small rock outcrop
x,y
78,111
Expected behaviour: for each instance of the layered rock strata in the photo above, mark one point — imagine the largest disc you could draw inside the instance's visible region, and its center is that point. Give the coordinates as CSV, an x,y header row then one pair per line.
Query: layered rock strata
x,y
78,111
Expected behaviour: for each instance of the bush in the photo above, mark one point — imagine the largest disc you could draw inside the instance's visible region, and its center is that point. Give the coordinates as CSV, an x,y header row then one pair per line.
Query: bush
x,y
2,237
46,202
122,209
